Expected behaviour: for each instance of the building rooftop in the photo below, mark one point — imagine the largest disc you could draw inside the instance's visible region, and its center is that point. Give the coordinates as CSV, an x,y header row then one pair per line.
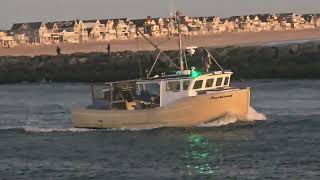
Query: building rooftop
x,y
32,25
69,25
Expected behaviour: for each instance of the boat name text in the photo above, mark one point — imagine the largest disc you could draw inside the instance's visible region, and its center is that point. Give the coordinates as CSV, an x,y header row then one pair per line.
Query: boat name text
x,y
220,97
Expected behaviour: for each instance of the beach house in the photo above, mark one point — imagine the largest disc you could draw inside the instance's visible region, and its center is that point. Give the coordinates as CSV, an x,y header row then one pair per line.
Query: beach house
x,y
7,39
248,23
316,19
236,23
132,30
219,25
172,29
274,23
26,32
151,28
215,25
110,30
81,30
286,21
308,21
260,22
197,25
229,25
95,29
163,27
44,34
65,31
56,30
256,23
122,29
134,26
2,35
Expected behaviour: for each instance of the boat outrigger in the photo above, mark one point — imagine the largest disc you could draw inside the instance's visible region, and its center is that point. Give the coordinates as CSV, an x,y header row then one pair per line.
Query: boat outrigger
x,y
184,99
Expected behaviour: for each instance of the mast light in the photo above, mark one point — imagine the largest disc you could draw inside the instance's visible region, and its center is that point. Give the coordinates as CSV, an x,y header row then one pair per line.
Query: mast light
x,y
195,74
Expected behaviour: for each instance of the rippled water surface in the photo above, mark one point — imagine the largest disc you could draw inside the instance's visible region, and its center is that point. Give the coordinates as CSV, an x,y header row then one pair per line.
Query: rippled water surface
x,y
37,140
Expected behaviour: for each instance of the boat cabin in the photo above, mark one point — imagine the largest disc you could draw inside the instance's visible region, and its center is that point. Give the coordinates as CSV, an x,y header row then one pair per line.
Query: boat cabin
x,y
156,92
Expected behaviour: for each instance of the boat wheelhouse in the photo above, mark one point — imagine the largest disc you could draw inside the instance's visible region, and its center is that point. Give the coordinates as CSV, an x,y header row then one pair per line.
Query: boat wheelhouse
x,y
156,92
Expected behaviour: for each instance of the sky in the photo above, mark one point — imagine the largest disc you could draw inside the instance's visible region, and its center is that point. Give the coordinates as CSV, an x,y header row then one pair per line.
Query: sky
x,y
13,11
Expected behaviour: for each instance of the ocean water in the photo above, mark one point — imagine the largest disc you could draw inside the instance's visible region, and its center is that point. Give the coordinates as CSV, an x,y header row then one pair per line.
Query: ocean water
x,y
37,140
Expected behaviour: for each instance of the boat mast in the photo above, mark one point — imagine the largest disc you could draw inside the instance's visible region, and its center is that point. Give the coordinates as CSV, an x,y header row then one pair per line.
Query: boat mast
x,y
180,41
181,52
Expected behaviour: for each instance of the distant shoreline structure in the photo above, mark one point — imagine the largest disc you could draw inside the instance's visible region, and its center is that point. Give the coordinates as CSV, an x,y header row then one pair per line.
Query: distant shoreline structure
x,y
81,31
264,38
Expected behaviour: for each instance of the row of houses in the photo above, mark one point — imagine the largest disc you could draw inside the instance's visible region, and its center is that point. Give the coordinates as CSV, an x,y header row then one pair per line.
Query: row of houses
x,y
78,31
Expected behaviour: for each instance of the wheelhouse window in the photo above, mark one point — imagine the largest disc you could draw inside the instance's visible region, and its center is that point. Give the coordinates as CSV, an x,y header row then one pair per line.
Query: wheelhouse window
x,y
198,84
219,81
148,91
209,83
186,85
148,88
173,86
100,92
226,81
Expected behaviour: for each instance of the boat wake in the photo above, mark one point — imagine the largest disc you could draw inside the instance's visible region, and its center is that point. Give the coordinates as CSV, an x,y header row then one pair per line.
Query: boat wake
x,y
226,119
71,129
230,118
135,129
253,115
46,130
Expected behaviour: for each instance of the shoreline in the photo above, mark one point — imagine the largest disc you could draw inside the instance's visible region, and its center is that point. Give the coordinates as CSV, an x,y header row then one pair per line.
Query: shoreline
x,y
290,61
210,40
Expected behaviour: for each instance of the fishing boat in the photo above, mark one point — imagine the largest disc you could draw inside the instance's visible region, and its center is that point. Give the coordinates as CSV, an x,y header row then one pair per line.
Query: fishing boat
x,y
186,98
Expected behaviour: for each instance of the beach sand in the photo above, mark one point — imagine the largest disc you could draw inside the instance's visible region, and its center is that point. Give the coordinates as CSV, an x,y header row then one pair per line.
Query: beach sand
x,y
211,40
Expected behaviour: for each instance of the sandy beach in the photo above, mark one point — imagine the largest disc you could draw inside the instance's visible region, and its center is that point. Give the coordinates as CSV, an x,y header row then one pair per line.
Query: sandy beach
x,y
211,40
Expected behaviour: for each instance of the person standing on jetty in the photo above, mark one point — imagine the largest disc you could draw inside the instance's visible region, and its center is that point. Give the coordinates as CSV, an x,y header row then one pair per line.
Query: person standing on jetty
x,y
108,48
58,50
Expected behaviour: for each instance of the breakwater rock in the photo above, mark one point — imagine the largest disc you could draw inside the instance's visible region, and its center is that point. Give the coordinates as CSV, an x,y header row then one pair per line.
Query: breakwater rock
x,y
301,60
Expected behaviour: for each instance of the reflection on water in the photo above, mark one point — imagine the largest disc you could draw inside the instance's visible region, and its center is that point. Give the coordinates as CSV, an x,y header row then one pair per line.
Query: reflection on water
x,y
199,158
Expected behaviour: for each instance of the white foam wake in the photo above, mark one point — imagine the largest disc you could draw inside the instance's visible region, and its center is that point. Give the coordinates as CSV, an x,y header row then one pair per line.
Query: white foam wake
x,y
135,129
230,118
45,130
253,115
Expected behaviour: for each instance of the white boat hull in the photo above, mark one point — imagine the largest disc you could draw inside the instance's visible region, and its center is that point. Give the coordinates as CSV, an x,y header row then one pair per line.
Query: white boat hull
x,y
186,112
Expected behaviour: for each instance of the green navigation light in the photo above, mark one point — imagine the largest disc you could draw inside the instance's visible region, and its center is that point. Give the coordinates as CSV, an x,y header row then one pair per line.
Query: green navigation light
x,y
195,74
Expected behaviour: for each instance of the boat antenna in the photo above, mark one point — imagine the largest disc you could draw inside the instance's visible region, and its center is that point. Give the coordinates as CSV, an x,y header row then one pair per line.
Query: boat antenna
x,y
139,63
210,56
185,59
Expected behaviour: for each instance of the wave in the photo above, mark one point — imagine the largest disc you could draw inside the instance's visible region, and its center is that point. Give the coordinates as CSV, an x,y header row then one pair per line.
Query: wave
x,y
49,130
135,129
46,129
230,118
